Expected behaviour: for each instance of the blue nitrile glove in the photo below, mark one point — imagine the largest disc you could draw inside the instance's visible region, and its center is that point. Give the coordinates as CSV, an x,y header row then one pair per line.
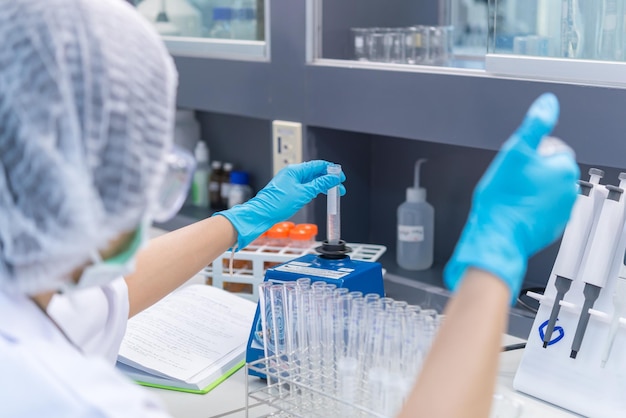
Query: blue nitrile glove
x,y
521,204
292,188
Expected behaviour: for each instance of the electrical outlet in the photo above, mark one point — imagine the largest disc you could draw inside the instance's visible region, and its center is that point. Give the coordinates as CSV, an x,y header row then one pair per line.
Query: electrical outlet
x,y
286,144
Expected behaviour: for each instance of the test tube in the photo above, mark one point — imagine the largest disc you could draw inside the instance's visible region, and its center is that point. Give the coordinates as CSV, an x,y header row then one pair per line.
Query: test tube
x,y
428,322
386,302
356,294
290,315
391,352
290,298
264,305
266,329
277,304
316,328
303,282
399,304
340,291
347,377
332,208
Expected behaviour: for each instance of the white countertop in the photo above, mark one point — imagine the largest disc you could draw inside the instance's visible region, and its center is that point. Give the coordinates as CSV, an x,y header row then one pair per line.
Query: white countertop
x,y
230,396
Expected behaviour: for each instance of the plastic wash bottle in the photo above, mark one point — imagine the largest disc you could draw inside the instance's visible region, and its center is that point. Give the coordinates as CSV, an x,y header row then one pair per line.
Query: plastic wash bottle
x,y
416,228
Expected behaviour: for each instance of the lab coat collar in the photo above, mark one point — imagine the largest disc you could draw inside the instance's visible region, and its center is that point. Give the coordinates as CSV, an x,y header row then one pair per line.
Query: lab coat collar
x,y
21,318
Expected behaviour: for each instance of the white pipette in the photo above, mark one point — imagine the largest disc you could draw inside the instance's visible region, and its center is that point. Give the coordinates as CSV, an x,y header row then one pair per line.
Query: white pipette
x,y
572,247
600,257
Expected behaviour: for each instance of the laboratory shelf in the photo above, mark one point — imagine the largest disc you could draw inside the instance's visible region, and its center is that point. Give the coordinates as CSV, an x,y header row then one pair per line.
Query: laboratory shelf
x,y
447,106
467,108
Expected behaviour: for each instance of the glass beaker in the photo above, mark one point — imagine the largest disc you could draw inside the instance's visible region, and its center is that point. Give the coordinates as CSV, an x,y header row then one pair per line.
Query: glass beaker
x,y
395,44
377,48
440,41
386,45
416,44
358,43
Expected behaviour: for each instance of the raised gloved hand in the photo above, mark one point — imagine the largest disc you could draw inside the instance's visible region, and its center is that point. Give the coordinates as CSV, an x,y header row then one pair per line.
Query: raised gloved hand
x,y
292,188
521,204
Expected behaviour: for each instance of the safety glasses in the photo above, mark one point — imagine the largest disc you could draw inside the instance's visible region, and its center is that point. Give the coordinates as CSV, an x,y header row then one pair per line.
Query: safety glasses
x,y
176,183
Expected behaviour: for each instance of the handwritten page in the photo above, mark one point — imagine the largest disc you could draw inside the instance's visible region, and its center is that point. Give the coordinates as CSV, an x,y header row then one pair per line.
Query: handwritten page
x,y
190,330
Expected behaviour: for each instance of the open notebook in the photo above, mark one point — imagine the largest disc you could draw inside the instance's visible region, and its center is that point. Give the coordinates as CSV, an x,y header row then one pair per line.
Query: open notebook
x,y
190,341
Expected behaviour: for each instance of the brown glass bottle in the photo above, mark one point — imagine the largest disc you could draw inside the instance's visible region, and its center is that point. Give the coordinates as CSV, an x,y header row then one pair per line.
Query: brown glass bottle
x,y
225,184
215,190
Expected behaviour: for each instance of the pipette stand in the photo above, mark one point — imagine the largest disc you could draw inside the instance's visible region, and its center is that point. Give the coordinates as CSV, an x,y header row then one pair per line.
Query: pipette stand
x,y
332,265
580,385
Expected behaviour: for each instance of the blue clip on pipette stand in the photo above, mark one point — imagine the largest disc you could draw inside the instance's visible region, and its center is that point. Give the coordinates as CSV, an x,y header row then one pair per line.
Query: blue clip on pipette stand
x,y
332,265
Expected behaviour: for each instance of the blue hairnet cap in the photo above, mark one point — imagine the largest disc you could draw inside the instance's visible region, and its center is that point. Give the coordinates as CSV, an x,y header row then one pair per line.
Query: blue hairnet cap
x,y
87,98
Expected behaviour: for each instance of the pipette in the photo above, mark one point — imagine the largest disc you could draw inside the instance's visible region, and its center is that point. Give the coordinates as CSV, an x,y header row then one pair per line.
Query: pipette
x,y
619,303
333,208
600,256
572,247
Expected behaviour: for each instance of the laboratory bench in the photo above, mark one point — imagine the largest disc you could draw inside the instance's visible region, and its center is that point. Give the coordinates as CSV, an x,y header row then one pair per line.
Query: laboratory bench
x,y
228,399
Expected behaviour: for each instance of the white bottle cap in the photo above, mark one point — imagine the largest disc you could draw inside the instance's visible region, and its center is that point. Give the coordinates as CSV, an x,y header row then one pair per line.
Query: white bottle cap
x,y
414,194
201,152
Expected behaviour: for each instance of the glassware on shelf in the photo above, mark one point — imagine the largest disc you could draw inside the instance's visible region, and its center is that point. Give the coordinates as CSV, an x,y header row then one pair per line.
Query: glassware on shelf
x,y
427,45
417,42
359,36
440,45
376,51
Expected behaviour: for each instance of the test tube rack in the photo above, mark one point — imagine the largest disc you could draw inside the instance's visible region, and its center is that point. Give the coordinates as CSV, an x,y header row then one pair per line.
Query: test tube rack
x,y
250,264
286,396
581,384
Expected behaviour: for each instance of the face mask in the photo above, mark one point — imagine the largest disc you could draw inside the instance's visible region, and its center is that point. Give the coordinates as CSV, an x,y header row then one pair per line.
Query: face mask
x,y
101,272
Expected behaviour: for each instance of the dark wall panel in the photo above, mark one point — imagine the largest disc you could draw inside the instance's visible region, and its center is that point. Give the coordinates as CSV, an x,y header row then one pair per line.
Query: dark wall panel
x,y
245,142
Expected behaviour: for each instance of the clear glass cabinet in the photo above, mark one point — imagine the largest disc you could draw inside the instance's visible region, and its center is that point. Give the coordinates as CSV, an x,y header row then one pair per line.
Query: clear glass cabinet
x,y
448,33
217,28
573,40
580,41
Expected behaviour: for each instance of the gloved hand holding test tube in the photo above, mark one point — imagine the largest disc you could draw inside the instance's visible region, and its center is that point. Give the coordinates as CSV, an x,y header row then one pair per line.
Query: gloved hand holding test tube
x,y
600,255
573,245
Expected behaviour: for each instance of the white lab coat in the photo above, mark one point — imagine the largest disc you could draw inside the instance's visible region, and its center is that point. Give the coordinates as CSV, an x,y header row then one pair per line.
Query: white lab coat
x,y
93,318
43,375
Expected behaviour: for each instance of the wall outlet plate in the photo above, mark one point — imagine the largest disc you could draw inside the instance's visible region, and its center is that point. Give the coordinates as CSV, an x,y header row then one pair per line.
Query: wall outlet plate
x,y
286,144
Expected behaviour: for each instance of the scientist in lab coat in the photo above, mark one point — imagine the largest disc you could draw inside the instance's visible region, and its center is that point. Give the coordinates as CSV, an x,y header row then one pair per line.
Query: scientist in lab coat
x,y
87,105
87,99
